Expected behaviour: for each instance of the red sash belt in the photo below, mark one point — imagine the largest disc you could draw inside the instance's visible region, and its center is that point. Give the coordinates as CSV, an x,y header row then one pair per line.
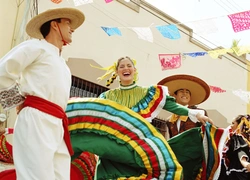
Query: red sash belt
x,y
53,110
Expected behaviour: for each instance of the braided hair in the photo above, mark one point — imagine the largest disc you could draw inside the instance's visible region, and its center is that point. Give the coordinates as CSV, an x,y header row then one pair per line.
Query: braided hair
x,y
111,80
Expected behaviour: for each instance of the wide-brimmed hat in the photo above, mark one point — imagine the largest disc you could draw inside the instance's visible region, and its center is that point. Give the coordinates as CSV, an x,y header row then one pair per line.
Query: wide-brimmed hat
x,y
74,15
199,89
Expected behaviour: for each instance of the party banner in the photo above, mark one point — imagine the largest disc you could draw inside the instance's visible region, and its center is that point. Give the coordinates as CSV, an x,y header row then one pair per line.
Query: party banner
x,y
195,54
248,57
169,31
170,61
82,2
244,95
218,52
204,27
144,33
216,89
108,1
241,50
56,1
240,21
112,31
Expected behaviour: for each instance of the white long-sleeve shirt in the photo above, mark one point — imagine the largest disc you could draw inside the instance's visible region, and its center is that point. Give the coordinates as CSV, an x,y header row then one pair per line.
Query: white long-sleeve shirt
x,y
39,69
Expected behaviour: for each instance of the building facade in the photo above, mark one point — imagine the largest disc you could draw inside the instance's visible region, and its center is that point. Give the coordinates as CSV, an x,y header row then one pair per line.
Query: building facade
x,y
91,45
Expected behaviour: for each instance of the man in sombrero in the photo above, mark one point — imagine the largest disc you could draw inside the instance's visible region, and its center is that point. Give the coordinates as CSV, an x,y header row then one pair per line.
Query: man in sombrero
x,y
189,91
35,77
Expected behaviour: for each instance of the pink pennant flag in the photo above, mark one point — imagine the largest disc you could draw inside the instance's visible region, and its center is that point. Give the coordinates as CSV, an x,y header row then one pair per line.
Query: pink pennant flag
x,y
217,89
170,61
108,1
240,21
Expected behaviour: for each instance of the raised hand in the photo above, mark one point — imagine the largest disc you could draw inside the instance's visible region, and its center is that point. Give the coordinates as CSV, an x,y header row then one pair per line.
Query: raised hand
x,y
203,119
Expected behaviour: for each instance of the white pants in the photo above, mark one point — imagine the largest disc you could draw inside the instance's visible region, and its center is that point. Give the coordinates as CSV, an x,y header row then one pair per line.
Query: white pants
x,y
39,150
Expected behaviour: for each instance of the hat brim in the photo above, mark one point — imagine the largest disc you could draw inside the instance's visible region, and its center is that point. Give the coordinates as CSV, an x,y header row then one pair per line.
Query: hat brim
x,y
74,15
199,89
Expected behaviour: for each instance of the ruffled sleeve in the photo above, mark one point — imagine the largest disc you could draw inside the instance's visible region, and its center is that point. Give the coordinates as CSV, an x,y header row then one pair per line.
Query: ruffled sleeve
x,y
151,105
157,99
149,101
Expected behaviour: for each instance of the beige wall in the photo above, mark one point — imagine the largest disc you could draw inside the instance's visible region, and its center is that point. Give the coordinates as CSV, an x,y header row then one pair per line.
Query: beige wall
x,y
248,85
90,42
14,16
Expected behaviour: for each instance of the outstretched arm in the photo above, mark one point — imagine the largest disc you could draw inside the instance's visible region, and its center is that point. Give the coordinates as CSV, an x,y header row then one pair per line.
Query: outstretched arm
x,y
194,114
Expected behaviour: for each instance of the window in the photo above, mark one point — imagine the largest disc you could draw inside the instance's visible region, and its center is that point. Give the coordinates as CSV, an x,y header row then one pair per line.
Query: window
x,y
160,125
84,88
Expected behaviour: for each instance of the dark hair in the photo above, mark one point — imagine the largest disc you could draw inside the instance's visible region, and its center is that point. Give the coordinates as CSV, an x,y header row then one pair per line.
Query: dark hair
x,y
45,28
238,118
120,59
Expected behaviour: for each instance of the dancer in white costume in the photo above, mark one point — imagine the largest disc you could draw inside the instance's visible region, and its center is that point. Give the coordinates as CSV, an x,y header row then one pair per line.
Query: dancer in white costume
x,y
35,76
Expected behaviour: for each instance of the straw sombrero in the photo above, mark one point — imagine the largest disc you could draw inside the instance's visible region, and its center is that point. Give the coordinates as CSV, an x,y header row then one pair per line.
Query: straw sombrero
x,y
33,27
200,91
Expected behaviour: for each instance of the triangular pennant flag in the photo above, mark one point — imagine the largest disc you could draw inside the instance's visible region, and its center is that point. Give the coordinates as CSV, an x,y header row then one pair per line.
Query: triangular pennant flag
x,y
195,54
240,21
169,31
112,31
56,1
82,2
244,95
216,89
216,53
143,33
170,61
108,1
241,50
204,27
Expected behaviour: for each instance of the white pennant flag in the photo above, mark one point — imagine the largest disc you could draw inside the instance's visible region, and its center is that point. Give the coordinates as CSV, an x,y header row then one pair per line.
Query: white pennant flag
x,y
244,95
248,57
144,33
82,2
207,26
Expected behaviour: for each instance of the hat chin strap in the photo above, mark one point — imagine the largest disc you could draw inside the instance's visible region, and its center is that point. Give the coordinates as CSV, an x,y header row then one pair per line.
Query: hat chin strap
x,y
64,42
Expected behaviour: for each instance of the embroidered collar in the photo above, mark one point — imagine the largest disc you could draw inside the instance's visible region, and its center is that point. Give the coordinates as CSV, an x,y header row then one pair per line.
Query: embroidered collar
x,y
175,117
131,86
